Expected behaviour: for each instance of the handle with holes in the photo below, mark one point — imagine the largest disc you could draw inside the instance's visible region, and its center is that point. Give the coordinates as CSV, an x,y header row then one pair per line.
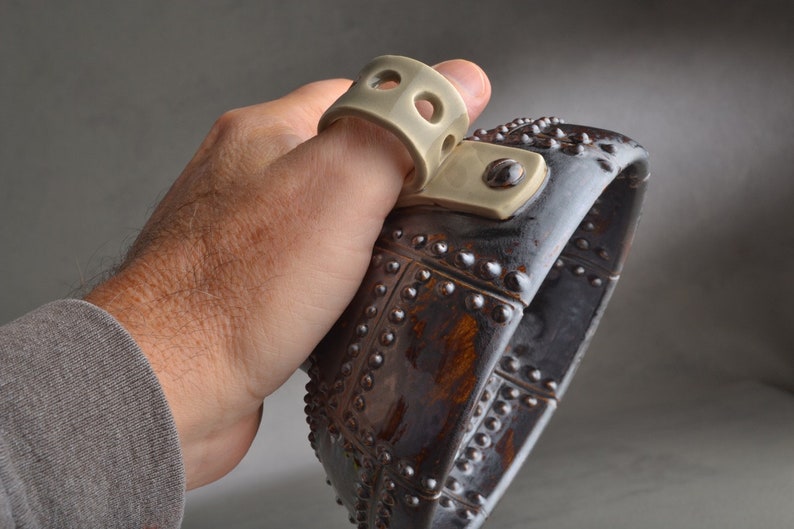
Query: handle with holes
x,y
390,92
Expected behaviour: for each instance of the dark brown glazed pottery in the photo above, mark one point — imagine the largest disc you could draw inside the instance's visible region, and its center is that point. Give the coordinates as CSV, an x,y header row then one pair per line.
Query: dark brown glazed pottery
x,y
432,388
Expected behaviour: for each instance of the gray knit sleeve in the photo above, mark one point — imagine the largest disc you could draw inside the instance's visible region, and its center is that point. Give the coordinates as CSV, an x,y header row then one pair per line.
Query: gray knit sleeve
x,y
86,436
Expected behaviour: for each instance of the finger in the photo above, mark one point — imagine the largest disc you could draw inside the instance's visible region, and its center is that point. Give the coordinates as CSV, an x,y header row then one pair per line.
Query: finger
x,y
351,152
274,128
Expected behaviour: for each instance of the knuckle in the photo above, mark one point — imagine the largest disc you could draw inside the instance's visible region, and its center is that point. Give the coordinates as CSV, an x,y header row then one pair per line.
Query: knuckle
x,y
232,122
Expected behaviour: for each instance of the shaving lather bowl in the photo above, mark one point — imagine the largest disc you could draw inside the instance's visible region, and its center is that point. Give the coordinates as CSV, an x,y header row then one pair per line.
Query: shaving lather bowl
x,y
486,284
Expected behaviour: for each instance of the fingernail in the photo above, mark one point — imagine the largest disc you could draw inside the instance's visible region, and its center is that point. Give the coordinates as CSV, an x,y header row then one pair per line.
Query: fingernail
x,y
467,75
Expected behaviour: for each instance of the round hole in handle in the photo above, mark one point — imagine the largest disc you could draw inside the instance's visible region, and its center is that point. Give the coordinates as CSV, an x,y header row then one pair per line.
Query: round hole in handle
x,y
429,107
449,143
385,80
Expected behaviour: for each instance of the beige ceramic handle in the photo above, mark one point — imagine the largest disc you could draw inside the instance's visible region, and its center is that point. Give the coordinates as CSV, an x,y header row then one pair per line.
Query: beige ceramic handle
x,y
389,91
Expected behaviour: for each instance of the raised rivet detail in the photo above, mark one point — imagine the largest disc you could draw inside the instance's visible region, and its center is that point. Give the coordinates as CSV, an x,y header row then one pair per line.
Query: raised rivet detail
x,y
603,254
582,244
375,360
493,424
475,301
371,311
559,263
467,514
510,364
389,485
361,491
478,410
397,316
346,369
358,403
423,275
474,454
502,408
446,288
530,401
351,423
453,485
376,260
368,439
510,393
502,313
386,498
430,483
588,226
392,267
353,349
407,471
504,172
464,259
408,293
499,137
476,498
380,289
517,281
387,338
418,241
558,133
533,374
411,501
385,458
445,502
483,440
367,381
489,269
596,281
486,396
362,330
464,466
578,270
551,385
525,139
582,137
439,248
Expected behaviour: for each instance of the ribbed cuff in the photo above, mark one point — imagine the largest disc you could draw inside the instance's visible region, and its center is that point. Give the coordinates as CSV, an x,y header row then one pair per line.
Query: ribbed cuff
x,y
86,436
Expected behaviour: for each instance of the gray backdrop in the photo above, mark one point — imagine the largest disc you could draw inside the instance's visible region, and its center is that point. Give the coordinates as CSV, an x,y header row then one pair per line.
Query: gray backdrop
x,y
681,415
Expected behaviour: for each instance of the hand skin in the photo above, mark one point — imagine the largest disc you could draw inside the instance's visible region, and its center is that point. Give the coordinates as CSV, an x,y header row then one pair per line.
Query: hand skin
x,y
253,254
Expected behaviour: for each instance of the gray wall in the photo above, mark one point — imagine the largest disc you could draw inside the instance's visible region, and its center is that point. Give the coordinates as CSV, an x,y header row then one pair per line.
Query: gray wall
x,y
102,104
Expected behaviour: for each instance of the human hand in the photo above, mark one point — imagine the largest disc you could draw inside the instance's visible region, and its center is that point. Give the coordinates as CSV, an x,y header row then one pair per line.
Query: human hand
x,y
253,254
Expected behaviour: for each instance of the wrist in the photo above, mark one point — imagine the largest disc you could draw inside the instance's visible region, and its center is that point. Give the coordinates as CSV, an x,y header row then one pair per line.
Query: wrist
x,y
184,346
